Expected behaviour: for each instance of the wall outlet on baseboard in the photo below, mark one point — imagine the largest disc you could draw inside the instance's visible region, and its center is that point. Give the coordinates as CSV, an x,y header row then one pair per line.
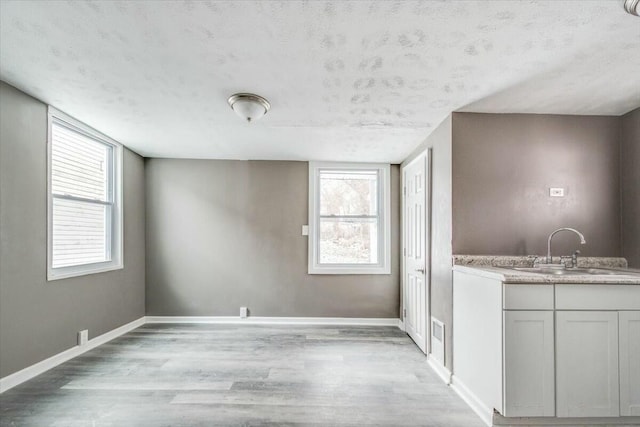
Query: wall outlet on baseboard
x,y
83,337
244,312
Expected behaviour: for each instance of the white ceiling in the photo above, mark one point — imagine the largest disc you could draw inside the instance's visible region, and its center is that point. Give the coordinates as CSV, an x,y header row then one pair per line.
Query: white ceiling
x,y
347,80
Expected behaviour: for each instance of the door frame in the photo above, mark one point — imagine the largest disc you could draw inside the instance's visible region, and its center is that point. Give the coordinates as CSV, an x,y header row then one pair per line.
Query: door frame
x,y
425,156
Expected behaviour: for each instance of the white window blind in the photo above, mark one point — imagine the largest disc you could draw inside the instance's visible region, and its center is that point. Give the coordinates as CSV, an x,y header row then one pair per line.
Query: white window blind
x,y
84,210
82,199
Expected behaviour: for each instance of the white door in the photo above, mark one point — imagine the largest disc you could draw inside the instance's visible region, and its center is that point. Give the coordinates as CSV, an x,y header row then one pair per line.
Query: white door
x,y
587,364
629,363
529,376
415,229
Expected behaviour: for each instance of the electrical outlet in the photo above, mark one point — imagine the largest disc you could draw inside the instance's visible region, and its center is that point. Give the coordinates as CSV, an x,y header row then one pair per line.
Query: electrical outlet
x,y
244,311
556,192
305,230
83,337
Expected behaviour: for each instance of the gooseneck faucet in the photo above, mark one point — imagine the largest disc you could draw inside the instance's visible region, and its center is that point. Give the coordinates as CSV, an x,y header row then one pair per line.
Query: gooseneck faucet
x,y
582,240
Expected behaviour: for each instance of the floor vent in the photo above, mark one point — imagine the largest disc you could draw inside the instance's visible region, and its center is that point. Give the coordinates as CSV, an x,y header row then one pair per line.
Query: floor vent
x,y
437,340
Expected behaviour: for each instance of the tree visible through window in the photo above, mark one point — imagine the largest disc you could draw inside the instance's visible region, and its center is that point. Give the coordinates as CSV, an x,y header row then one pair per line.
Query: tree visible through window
x,y
348,218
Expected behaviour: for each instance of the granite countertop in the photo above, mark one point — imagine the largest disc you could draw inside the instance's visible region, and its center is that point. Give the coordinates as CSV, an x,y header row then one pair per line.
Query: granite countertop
x,y
501,268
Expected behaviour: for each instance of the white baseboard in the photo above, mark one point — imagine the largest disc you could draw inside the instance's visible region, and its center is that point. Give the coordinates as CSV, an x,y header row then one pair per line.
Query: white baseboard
x,y
439,369
500,421
485,413
29,372
254,320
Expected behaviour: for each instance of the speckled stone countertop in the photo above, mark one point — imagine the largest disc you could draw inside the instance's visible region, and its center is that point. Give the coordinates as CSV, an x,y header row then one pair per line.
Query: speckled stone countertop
x,y
527,261
501,268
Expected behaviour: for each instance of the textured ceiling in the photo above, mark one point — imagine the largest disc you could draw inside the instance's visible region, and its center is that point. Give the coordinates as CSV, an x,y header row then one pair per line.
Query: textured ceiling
x,y
347,80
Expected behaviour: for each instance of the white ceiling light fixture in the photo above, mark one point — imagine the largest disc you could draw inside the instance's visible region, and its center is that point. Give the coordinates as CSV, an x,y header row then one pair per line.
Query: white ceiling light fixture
x,y
249,106
631,6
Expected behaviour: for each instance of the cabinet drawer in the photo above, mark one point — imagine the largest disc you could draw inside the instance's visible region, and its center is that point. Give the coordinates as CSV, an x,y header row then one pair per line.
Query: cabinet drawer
x,y
527,297
597,297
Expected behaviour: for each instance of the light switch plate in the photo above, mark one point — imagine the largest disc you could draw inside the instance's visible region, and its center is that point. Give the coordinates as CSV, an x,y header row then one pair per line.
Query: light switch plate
x,y
556,192
305,230
243,312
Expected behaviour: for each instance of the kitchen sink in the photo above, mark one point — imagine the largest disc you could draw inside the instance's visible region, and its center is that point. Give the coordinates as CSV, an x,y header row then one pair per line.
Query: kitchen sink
x,y
572,271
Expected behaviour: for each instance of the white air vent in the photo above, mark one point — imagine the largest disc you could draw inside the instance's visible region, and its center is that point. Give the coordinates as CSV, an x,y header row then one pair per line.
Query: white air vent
x,y
437,340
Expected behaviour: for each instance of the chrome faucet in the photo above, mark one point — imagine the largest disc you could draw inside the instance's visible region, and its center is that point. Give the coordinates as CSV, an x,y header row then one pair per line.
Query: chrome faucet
x,y
582,241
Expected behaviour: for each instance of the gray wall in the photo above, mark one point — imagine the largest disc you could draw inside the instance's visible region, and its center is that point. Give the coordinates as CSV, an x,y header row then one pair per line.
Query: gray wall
x,y
441,252
490,180
503,166
630,187
38,318
224,234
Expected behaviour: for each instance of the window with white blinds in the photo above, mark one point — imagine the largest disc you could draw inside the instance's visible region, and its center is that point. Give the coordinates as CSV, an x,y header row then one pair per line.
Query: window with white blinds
x,y
84,199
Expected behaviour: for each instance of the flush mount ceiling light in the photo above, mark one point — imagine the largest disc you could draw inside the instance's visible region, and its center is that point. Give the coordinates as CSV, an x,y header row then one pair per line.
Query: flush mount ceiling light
x,y
631,6
249,106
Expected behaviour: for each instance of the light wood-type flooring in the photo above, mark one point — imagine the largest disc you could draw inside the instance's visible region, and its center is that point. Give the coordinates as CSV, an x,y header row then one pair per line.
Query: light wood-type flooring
x,y
242,375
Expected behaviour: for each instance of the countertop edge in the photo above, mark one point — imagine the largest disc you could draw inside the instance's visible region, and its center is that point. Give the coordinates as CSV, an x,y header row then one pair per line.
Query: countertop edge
x,y
507,276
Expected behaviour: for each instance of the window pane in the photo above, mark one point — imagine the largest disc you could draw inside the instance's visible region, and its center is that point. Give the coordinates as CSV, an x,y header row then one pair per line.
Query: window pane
x,y
79,165
348,192
79,233
347,241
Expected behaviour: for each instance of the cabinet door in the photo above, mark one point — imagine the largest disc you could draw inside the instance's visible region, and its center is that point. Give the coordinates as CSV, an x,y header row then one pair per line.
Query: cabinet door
x,y
529,365
587,364
629,363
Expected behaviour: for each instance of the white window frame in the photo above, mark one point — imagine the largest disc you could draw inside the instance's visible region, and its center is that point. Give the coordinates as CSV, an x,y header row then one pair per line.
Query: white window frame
x,y
115,236
384,220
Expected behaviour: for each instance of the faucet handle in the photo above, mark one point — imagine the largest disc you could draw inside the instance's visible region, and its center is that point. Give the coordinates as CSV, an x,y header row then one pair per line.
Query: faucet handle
x,y
574,258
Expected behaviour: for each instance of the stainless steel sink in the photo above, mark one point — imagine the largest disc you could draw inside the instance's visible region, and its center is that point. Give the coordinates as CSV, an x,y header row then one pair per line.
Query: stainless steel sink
x,y
573,271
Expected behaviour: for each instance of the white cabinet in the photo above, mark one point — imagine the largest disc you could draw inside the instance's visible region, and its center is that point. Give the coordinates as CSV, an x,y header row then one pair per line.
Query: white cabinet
x,y
629,326
546,351
587,364
529,378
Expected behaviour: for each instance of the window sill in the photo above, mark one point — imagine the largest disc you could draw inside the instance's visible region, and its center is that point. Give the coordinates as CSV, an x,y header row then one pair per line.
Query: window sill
x,y
349,270
68,272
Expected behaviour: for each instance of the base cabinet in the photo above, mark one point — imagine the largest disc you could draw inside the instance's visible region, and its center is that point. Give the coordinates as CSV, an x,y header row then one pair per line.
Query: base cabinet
x,y
629,326
529,377
547,353
587,364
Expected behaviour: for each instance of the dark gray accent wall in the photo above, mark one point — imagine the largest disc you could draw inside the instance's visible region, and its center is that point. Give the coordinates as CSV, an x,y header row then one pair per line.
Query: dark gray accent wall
x,y
224,234
441,295
630,187
39,319
503,167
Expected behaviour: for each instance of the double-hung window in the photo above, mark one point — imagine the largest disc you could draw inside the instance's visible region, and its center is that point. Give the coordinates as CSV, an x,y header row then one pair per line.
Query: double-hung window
x,y
349,218
84,199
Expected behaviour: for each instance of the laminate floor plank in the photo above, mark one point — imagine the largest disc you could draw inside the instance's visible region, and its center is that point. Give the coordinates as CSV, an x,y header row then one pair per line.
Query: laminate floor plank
x,y
242,375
